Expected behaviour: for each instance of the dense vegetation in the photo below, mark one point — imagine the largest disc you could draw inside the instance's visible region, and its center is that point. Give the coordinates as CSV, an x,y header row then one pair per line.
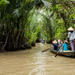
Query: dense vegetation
x,y
23,22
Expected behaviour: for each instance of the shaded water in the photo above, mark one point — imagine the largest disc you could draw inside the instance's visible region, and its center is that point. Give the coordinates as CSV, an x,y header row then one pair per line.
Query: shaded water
x,y
35,62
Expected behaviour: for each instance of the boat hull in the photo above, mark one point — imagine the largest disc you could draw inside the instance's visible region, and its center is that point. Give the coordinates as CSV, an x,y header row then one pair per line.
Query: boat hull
x,y
64,53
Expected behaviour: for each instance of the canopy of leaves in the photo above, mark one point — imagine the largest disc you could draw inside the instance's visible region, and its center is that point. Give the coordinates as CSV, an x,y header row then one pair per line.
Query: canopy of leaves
x,y
22,22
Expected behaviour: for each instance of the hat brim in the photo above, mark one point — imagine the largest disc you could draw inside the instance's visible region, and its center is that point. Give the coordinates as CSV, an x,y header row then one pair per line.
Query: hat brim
x,y
70,29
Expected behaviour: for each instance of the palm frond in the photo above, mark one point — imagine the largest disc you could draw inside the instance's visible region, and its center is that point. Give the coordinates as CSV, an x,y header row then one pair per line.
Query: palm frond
x,y
46,3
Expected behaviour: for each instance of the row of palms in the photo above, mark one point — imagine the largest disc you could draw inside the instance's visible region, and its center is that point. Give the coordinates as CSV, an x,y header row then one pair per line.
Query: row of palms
x,y
19,28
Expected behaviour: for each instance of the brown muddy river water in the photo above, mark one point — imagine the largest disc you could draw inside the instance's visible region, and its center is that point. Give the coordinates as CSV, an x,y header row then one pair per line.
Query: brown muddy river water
x,y
35,62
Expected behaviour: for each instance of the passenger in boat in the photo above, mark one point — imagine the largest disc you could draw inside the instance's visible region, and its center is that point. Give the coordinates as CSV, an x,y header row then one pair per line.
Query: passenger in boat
x,y
55,45
65,45
60,43
71,36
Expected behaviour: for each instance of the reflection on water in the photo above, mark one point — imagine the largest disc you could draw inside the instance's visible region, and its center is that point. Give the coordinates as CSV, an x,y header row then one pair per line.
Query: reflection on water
x,y
35,62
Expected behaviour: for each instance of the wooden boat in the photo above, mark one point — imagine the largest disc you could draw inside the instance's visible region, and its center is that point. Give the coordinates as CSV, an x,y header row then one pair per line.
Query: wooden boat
x,y
64,53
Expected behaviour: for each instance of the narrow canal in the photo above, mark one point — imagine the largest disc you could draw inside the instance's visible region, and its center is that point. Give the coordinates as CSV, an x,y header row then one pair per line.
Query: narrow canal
x,y
35,62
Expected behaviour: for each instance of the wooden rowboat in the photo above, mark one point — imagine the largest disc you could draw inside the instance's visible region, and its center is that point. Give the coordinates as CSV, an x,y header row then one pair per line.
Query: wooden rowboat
x,y
64,53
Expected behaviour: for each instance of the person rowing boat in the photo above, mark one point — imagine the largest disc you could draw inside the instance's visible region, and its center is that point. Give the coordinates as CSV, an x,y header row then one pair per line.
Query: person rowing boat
x,y
71,36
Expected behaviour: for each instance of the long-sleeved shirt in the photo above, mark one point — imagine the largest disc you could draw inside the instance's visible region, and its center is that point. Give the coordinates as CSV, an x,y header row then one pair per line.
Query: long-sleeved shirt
x,y
65,46
55,46
71,35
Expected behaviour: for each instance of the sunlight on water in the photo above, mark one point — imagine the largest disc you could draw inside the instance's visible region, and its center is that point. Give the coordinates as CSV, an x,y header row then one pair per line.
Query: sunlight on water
x,y
39,70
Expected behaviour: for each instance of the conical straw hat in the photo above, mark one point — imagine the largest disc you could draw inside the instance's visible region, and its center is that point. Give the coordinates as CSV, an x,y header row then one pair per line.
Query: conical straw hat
x,y
70,29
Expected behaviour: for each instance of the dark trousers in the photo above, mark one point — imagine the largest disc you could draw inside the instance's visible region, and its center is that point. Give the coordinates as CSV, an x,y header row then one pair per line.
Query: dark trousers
x,y
73,45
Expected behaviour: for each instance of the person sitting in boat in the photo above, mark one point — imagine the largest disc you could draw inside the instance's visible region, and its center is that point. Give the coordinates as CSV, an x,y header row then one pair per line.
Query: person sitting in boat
x,y
65,45
71,36
55,45
60,43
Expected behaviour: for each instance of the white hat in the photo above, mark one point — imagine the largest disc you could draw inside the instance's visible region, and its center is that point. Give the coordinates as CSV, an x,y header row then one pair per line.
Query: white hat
x,y
70,29
54,41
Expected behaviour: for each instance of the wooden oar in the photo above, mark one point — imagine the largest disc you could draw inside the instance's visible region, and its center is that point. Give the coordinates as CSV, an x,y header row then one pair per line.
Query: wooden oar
x,y
46,50
57,53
